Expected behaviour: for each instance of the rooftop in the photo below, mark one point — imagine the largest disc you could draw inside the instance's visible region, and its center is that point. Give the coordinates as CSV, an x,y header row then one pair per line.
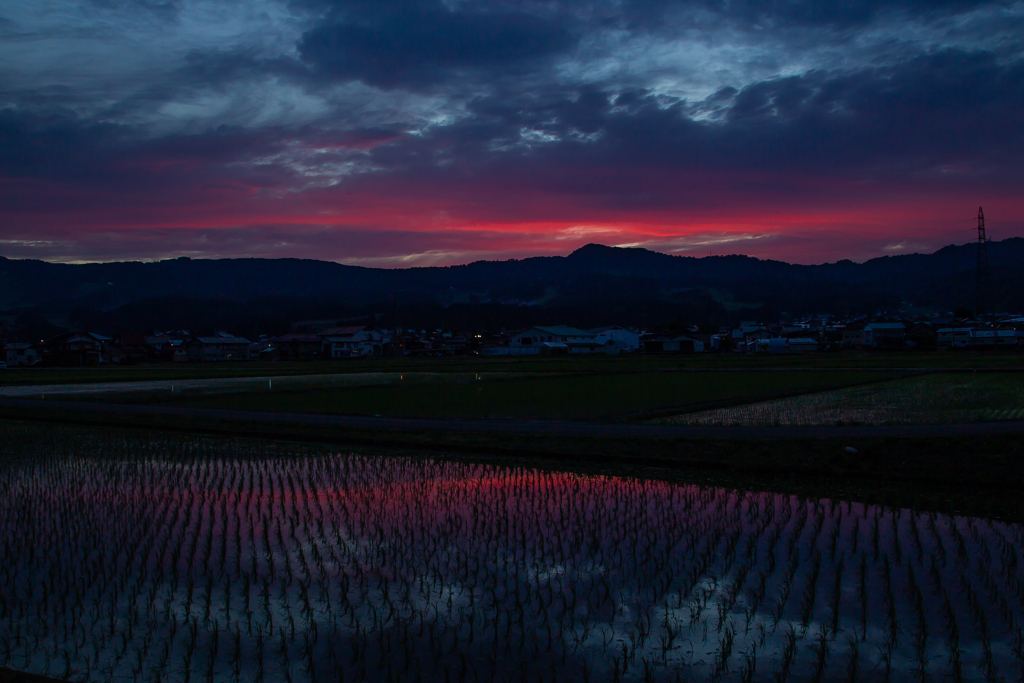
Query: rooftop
x,y
563,331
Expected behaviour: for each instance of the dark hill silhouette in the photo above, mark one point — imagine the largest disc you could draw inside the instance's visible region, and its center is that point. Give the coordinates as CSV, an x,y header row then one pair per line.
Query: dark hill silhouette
x,y
593,285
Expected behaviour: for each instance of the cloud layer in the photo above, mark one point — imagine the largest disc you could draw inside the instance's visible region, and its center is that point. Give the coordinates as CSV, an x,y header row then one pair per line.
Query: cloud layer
x,y
415,131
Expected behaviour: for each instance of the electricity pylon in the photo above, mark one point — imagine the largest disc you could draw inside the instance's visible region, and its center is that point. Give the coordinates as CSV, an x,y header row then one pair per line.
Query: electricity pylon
x,y
983,281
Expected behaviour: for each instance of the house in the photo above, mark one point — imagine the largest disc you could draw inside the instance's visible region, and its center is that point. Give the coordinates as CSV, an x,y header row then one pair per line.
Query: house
x,y
653,343
265,352
127,348
884,335
922,336
493,345
832,335
436,343
975,338
962,337
989,338
357,341
164,346
419,345
625,340
73,349
533,340
792,345
222,347
669,344
1006,337
853,334
313,326
685,344
21,354
982,339
450,345
747,334
802,344
816,323
297,346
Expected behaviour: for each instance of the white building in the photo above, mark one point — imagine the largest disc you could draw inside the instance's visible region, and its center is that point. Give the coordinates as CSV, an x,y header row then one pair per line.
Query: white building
x,y
882,334
792,345
17,354
223,347
352,342
627,341
803,344
1006,337
962,337
684,344
554,339
993,338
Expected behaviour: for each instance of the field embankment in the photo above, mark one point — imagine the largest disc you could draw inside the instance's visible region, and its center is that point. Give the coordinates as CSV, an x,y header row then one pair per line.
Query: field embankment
x,y
12,676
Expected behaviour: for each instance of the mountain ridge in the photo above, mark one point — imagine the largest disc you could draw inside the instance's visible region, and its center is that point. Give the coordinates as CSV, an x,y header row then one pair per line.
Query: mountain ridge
x,y
615,284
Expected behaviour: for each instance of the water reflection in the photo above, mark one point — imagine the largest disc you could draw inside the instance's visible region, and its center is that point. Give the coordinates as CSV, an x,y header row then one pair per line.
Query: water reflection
x,y
191,558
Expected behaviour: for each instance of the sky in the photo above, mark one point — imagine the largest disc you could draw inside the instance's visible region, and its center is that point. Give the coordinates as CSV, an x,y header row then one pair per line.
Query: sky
x,y
436,132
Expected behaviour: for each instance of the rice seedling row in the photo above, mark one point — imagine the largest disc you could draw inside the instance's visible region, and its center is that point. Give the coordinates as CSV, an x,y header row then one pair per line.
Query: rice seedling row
x,y
179,558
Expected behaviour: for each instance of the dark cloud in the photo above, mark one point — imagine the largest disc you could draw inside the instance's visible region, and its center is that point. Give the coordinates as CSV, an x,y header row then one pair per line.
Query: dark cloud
x,y
774,14
54,144
948,118
203,67
945,124
935,109
60,146
846,13
417,43
168,9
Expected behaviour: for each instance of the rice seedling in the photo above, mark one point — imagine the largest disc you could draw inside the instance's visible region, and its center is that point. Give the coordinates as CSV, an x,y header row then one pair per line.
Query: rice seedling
x,y
152,557
821,649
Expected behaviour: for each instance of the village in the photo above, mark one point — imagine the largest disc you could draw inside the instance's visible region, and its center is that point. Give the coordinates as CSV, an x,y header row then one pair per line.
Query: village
x,y
325,340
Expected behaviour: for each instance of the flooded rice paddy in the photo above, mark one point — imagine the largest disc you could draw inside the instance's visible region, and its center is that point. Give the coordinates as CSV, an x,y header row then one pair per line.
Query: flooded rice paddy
x,y
174,558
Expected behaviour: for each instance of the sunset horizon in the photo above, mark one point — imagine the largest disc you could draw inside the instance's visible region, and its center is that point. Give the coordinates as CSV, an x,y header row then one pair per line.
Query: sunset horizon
x,y
710,249
433,133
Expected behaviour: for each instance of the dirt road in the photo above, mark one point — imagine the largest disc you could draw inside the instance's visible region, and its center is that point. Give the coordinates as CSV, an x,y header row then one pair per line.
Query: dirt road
x,y
224,385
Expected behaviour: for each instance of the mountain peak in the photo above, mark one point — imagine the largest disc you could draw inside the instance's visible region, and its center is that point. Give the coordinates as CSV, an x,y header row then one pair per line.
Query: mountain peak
x,y
594,249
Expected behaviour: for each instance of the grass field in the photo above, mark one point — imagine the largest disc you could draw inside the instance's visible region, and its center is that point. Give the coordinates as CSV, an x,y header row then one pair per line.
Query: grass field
x,y
576,397
940,398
